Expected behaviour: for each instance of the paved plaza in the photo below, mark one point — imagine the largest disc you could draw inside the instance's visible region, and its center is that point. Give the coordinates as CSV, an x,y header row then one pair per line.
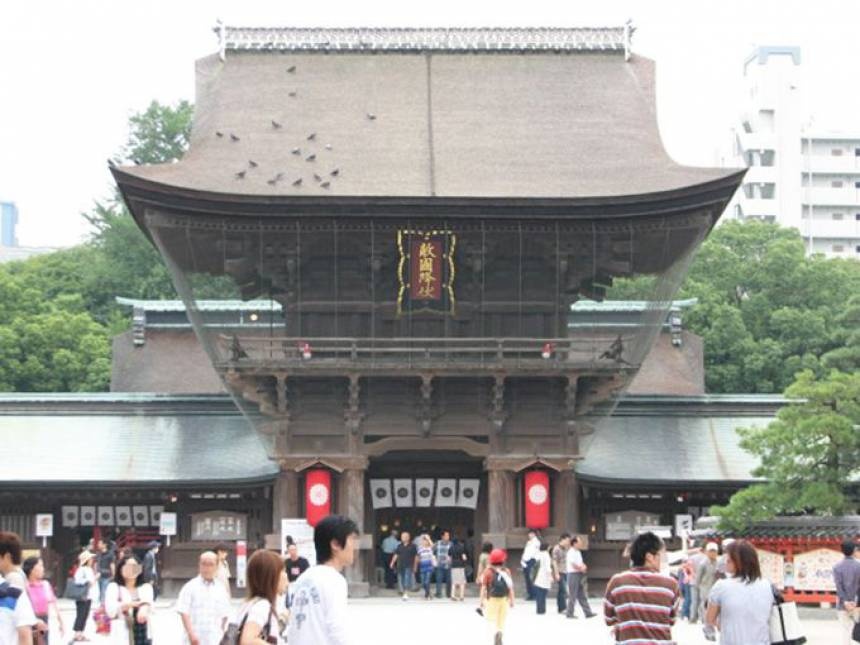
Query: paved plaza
x,y
442,622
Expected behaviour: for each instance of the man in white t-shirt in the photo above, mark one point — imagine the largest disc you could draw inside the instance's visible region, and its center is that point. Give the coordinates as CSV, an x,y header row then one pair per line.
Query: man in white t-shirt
x,y
576,569
529,560
203,604
16,614
319,595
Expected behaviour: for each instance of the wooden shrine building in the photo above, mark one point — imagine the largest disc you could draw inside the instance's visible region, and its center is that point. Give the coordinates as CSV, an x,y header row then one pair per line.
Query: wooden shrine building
x,y
421,208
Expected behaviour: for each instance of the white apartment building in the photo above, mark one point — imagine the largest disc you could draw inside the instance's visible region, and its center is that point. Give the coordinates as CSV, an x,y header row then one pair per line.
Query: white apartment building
x,y
799,175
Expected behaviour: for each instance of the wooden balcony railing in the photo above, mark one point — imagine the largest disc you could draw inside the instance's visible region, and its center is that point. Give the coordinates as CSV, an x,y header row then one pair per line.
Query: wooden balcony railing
x,y
546,354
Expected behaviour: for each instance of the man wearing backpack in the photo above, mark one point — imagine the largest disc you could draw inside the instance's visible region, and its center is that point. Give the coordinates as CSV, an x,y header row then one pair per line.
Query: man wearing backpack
x,y
497,592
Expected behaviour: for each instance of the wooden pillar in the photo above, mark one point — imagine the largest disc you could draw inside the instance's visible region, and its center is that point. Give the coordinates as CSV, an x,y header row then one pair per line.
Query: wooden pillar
x,y
501,500
350,503
350,500
285,497
566,502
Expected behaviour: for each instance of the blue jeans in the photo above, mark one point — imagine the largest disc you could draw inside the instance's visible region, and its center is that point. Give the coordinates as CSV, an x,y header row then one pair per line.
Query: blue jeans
x,y
442,574
686,593
406,580
104,581
561,598
540,599
426,574
527,570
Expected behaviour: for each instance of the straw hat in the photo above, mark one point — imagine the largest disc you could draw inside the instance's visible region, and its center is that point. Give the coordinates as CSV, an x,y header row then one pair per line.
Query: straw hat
x,y
85,557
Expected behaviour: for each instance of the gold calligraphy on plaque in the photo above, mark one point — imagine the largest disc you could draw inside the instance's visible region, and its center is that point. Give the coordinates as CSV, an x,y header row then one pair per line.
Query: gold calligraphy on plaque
x,y
426,271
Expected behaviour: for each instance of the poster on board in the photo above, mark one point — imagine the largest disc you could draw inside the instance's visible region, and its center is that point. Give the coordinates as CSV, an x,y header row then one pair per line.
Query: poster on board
x,y
302,533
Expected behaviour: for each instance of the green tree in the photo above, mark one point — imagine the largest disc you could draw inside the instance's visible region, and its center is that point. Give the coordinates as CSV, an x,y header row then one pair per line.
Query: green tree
x,y
766,311
57,311
846,357
809,456
159,134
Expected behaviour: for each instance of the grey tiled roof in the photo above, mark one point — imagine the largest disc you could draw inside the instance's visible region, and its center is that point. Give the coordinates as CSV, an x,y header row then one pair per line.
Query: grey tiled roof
x,y
202,305
136,449
445,39
442,124
629,305
847,526
669,449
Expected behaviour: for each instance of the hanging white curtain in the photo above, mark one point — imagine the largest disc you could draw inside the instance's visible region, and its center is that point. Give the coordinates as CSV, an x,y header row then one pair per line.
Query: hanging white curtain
x,y
380,493
467,496
403,493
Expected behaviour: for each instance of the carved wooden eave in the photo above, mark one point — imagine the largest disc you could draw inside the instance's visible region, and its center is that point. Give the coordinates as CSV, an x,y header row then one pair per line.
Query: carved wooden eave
x,y
469,446
338,464
518,463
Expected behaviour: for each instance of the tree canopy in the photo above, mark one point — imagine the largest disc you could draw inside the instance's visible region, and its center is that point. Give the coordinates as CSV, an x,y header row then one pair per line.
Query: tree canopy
x,y
766,311
810,455
57,311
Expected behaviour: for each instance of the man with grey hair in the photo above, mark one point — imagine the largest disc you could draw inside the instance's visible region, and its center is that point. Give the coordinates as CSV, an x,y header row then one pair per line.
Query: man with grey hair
x,y
203,604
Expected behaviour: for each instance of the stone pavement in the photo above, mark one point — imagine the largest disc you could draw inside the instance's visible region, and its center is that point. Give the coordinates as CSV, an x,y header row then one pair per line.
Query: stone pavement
x,y
443,622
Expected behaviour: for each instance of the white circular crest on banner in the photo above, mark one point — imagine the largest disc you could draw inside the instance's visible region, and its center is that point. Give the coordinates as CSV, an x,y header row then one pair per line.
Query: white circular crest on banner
x,y
318,494
537,494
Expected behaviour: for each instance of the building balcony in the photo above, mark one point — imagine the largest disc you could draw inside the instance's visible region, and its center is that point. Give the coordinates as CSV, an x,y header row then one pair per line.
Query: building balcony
x,y
761,175
592,354
759,208
847,229
756,140
828,164
824,196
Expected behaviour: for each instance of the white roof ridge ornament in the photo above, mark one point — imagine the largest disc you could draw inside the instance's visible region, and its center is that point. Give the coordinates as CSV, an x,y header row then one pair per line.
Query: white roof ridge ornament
x,y
443,39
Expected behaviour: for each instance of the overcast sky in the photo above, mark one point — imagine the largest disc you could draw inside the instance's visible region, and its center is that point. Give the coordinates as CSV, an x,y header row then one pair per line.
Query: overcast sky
x,y
71,73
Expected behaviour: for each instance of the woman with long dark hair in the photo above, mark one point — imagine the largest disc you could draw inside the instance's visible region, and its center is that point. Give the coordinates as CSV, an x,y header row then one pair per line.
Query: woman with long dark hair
x,y
42,598
128,602
740,605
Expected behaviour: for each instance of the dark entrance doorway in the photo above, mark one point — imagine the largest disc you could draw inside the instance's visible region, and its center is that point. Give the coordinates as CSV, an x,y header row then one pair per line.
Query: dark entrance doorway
x,y
464,523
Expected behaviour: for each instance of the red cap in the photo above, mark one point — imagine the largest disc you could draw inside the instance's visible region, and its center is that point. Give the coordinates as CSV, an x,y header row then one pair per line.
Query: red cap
x,y
498,556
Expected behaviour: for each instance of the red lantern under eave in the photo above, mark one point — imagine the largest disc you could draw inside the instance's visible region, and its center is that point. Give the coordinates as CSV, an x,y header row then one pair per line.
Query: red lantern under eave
x,y
317,495
537,499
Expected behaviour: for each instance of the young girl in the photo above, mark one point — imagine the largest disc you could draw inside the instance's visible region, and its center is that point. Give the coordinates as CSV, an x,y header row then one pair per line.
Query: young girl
x,y
543,577
497,592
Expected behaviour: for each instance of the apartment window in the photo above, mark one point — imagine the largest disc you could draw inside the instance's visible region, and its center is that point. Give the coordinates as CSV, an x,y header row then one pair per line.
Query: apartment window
x,y
838,248
836,152
837,216
857,152
836,183
857,216
858,249
857,184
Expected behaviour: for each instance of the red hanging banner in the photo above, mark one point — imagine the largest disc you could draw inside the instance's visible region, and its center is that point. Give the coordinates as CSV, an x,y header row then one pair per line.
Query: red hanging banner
x,y
536,484
317,495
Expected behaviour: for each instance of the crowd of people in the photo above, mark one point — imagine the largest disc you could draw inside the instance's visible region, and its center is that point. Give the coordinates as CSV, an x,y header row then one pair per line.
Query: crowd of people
x,y
288,600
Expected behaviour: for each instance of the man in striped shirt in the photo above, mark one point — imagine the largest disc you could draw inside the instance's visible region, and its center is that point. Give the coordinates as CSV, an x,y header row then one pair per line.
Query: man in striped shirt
x,y
640,604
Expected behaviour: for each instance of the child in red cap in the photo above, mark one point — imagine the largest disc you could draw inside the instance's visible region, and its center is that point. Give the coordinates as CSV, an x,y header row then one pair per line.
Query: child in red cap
x,y
497,592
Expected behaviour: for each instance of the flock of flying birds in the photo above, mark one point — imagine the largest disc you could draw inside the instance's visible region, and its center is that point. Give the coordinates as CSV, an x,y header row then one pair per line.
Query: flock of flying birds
x,y
324,180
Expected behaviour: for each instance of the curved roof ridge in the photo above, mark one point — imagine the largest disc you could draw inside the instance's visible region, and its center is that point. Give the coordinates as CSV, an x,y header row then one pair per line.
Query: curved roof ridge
x,y
459,39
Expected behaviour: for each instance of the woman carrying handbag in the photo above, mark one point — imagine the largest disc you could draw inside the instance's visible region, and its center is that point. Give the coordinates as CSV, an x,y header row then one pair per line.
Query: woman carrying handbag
x,y
128,602
745,609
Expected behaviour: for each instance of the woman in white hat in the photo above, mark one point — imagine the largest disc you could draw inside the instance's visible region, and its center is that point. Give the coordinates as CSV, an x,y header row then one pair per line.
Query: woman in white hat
x,y
85,575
